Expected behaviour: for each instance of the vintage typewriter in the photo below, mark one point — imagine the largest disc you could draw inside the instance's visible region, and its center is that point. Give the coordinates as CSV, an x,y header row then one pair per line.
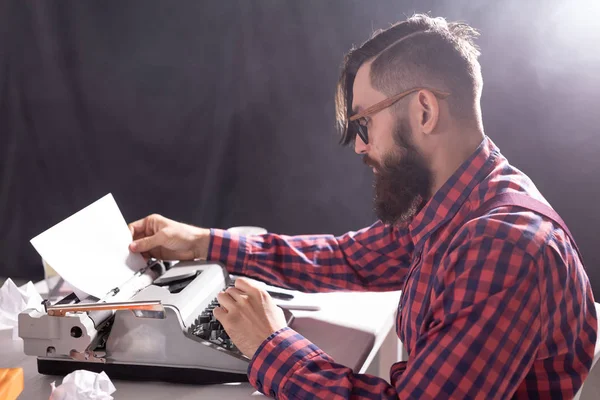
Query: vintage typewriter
x,y
159,325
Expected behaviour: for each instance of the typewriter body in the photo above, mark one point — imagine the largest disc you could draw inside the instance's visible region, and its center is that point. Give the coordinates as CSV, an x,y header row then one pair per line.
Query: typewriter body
x,y
158,325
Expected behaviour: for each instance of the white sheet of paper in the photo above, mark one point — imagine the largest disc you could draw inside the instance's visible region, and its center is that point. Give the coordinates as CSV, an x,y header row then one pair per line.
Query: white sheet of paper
x,y
89,250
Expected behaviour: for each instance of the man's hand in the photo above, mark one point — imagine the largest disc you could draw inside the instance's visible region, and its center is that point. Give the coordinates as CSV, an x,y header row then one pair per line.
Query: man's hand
x,y
165,239
249,315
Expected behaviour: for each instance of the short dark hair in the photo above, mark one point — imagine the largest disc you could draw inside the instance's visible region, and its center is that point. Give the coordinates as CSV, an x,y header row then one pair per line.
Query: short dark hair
x,y
420,51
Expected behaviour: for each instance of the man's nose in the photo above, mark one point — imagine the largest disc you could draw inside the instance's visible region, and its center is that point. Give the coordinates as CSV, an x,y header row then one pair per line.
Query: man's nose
x,y
359,146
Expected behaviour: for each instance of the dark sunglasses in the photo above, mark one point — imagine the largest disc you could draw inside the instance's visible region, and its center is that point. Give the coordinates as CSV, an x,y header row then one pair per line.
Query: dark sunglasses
x,y
358,122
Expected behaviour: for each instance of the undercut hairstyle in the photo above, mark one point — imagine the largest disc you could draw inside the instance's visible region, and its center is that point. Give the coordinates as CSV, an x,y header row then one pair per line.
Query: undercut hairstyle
x,y
419,52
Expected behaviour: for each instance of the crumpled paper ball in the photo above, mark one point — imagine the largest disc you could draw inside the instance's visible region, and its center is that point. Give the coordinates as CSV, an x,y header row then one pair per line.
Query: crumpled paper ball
x,y
83,385
14,300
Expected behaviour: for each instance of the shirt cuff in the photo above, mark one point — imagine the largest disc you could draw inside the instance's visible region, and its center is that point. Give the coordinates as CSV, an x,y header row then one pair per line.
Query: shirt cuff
x,y
277,358
231,249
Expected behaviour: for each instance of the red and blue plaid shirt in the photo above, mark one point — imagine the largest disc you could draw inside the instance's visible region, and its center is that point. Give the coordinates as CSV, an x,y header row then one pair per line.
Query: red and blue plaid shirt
x,y
495,306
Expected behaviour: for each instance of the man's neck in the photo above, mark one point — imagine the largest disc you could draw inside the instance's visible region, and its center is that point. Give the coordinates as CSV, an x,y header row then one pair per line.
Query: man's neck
x,y
456,149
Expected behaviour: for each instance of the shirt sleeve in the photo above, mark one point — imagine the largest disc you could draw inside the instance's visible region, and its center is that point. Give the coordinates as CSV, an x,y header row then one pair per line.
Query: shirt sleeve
x,y
478,340
375,258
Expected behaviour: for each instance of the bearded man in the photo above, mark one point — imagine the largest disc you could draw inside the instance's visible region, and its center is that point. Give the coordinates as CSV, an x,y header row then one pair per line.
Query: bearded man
x,y
495,300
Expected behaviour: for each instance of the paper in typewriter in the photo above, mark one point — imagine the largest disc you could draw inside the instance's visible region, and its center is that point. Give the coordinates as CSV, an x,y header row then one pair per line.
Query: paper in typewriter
x,y
89,249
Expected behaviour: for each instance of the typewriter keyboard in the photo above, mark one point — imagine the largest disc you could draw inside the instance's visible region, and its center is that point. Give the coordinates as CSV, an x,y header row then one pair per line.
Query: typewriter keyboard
x,y
207,327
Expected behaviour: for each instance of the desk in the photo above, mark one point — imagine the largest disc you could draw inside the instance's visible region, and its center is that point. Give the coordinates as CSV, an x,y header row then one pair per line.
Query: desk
x,y
350,327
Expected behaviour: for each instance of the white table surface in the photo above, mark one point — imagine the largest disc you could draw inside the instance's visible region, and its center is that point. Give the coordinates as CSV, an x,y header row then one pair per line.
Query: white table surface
x,y
350,327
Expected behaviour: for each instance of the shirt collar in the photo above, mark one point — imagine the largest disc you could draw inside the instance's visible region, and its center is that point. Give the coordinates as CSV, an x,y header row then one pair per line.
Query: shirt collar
x,y
449,198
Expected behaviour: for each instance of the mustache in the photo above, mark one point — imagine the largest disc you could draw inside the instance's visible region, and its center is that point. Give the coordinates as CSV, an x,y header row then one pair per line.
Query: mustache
x,y
370,162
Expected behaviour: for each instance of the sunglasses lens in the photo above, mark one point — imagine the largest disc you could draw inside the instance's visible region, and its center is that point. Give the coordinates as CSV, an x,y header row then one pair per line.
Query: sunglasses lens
x,y
362,132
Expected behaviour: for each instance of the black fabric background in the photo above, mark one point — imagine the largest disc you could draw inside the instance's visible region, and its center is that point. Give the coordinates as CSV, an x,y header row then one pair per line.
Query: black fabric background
x,y
220,113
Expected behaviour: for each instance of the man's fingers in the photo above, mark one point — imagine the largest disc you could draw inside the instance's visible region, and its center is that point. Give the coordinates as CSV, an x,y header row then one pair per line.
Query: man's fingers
x,y
219,313
236,294
145,244
138,226
226,301
248,286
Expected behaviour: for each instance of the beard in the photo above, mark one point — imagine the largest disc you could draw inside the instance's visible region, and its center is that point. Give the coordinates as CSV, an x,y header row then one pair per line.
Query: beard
x,y
403,182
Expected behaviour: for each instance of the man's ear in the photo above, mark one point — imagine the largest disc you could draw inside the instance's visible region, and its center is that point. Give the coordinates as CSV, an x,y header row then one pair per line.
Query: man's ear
x,y
429,111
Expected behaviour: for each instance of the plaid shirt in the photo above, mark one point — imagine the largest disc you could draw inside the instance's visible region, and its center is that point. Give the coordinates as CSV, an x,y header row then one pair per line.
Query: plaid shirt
x,y
495,306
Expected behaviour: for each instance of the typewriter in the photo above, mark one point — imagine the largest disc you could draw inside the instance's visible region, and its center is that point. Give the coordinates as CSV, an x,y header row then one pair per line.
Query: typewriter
x,y
159,325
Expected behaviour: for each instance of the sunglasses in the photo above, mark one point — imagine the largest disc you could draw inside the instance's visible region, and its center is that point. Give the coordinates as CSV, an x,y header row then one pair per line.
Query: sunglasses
x,y
358,122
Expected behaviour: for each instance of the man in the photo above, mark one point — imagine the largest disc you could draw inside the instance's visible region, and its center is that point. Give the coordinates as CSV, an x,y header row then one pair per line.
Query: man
x,y
495,301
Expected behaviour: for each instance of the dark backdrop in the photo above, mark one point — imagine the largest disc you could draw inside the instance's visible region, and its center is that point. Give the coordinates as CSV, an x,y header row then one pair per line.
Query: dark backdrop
x,y
220,113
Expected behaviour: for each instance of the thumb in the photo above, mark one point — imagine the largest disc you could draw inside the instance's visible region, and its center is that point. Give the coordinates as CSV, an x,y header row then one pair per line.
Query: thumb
x,y
145,244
